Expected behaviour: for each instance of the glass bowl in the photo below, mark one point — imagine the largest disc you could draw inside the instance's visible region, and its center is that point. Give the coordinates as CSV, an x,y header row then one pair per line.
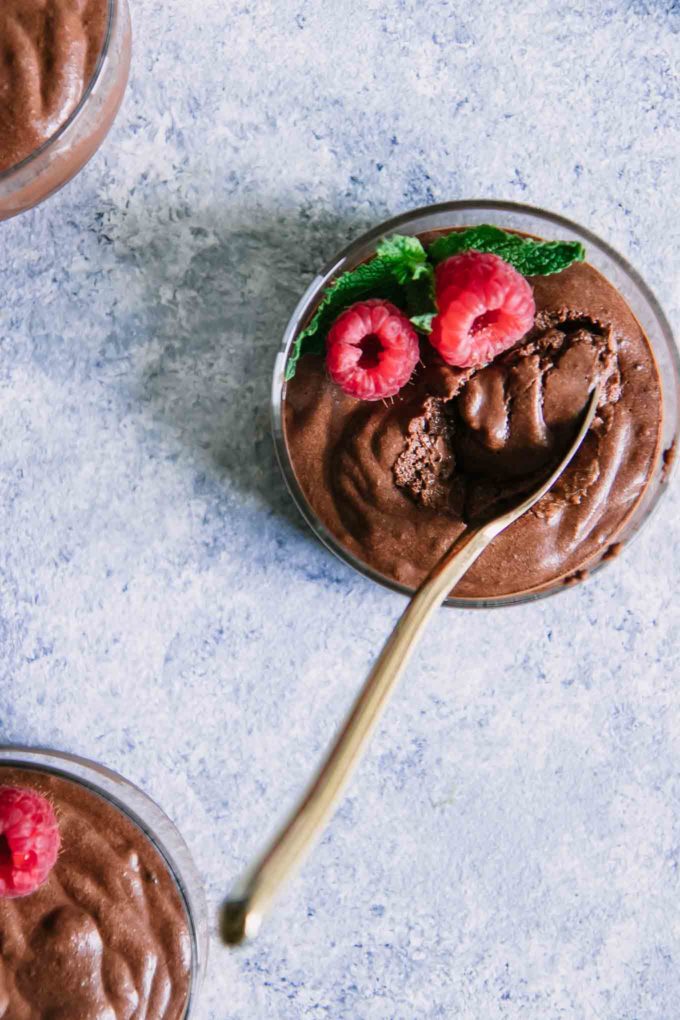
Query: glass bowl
x,y
66,152
528,220
148,817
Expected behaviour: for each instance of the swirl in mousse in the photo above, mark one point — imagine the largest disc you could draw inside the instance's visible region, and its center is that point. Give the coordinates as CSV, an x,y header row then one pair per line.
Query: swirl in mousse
x,y
395,481
106,934
63,70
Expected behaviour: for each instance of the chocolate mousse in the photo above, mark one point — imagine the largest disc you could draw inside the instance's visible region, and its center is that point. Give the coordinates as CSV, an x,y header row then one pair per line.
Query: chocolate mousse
x,y
107,936
396,482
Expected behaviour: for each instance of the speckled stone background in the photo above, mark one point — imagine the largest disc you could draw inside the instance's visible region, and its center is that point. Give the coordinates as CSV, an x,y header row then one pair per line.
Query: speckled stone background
x,y
511,846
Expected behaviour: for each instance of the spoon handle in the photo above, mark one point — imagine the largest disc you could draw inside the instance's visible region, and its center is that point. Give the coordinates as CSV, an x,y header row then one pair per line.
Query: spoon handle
x,y
243,911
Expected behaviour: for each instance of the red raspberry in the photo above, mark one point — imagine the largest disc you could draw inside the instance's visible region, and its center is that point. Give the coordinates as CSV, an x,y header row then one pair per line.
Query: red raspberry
x,y
485,306
371,350
29,841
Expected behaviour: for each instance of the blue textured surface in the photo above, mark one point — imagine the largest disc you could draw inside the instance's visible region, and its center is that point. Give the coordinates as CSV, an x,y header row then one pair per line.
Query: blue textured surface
x,y
511,846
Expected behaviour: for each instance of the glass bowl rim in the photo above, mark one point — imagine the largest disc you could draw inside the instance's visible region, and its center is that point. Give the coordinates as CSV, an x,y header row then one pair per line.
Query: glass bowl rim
x,y
16,170
321,280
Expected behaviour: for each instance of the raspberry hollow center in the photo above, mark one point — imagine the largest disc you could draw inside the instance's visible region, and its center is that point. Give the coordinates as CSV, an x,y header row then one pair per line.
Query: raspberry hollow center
x,y
371,349
485,320
5,852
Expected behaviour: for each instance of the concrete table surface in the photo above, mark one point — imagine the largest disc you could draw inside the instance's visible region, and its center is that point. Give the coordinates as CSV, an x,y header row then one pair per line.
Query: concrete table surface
x,y
511,846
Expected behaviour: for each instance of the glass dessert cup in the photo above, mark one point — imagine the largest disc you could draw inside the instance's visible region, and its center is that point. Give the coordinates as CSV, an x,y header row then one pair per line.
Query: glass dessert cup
x,y
153,824
66,152
526,220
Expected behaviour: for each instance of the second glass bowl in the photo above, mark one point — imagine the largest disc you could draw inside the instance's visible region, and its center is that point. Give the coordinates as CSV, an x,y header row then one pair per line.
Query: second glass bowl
x,y
527,220
67,151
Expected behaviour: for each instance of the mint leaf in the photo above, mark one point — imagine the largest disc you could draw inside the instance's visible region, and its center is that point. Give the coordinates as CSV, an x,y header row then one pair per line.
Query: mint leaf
x,y
529,257
541,258
482,238
407,255
399,262
423,322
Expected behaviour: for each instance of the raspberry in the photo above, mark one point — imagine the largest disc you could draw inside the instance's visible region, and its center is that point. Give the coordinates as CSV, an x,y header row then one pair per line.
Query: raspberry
x,y
371,350
485,306
29,841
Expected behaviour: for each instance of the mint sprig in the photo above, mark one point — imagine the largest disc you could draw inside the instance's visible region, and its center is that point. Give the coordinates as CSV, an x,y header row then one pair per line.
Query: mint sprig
x,y
398,263
529,257
406,256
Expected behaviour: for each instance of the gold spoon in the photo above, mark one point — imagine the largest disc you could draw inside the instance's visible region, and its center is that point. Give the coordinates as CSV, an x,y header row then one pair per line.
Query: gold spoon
x,y
247,903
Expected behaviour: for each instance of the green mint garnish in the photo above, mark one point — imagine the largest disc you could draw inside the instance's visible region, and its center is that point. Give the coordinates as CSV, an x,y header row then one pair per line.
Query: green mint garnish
x,y
406,257
398,263
423,323
529,257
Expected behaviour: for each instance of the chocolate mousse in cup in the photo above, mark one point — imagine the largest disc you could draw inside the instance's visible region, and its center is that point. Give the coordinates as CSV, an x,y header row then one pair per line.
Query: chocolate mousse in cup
x,y
389,484
64,66
102,912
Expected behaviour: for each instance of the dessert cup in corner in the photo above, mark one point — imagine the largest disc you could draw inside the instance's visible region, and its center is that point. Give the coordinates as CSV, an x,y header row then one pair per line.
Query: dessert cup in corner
x,y
118,927
62,80
387,485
